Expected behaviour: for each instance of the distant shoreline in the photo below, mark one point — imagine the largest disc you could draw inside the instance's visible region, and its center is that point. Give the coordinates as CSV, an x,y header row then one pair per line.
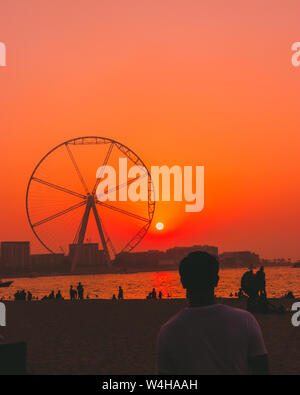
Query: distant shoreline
x,y
90,273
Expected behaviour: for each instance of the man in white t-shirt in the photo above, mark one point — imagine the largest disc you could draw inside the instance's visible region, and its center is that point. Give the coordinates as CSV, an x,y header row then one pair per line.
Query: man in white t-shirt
x,y
209,338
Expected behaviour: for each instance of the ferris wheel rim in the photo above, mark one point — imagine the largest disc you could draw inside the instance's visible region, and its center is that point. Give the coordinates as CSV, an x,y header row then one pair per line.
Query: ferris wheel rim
x,y
151,202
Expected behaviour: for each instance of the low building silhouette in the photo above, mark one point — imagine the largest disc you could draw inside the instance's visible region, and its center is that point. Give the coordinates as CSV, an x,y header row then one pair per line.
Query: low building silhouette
x,y
176,254
86,254
239,259
47,262
158,260
15,255
138,260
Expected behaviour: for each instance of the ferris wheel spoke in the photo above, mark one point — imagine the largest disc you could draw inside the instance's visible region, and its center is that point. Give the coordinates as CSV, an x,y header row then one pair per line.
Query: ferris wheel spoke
x,y
54,216
108,241
51,185
103,168
125,184
130,214
77,168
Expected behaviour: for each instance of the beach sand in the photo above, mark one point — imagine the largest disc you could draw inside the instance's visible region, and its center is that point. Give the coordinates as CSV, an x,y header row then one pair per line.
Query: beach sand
x,y
111,337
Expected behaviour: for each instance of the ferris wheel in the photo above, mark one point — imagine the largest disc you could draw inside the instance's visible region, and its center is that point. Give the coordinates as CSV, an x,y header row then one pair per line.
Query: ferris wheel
x,y
62,205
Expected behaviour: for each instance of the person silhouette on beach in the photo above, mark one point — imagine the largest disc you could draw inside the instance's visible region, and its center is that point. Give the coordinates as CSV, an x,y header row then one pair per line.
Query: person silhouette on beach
x,y
250,286
51,296
58,295
153,294
120,293
22,295
241,294
29,296
260,277
80,291
289,295
247,282
206,337
72,293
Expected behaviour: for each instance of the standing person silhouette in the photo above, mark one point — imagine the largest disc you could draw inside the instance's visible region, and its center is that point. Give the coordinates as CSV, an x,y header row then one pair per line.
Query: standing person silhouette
x,y
153,293
120,293
249,285
72,293
80,291
261,281
209,338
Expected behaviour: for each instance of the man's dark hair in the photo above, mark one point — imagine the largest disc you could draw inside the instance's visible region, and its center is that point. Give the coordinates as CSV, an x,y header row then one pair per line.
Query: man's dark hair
x,y
199,271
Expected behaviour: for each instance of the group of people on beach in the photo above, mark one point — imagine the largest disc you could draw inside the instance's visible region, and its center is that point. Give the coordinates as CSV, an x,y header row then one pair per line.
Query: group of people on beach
x,y
254,286
53,296
120,294
23,295
153,295
77,293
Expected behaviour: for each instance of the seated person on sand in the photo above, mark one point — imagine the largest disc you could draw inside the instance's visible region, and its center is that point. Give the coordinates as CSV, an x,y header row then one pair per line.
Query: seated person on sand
x,y
206,337
241,294
263,306
289,295
58,295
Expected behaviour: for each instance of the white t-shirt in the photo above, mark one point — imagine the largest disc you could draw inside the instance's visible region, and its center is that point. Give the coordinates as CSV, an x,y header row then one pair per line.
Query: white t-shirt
x,y
214,339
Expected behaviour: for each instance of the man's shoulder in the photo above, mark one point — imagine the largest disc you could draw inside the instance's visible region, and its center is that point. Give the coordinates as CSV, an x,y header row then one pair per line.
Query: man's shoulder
x,y
234,310
237,312
172,322
228,312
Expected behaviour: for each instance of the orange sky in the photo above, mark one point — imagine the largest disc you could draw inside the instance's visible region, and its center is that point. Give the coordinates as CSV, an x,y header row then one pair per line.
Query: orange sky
x,y
180,82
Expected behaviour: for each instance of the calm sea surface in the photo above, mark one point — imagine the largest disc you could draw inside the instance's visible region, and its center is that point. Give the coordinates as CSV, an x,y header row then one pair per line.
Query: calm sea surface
x,y
138,285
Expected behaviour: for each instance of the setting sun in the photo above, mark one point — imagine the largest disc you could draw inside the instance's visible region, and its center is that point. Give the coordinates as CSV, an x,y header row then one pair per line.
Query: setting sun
x,y
159,226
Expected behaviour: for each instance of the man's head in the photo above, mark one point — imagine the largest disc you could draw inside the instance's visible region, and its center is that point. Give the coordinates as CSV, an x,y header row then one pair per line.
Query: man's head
x,y
199,272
